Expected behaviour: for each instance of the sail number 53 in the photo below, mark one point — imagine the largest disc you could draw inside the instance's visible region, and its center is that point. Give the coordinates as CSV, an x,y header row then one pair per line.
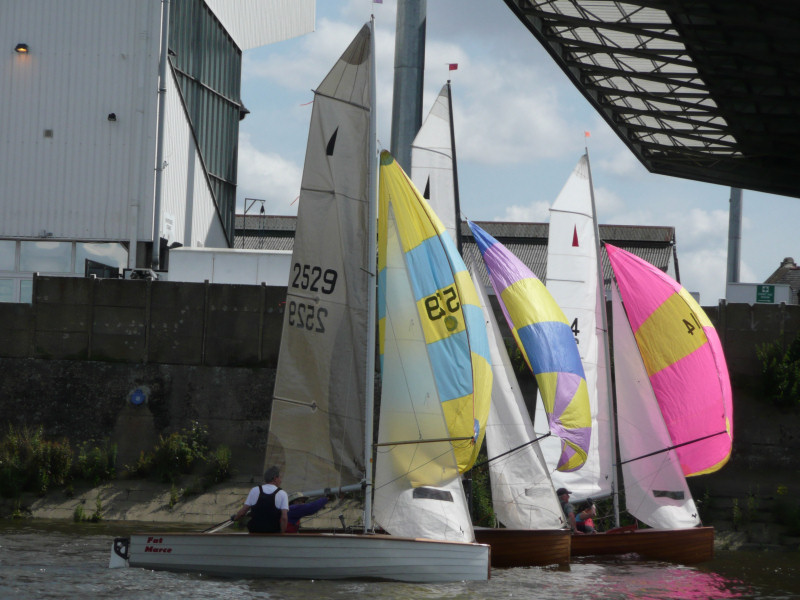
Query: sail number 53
x,y
314,278
442,303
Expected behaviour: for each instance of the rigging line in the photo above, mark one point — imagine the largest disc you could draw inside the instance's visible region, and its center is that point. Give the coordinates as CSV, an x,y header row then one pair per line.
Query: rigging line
x,y
700,439
454,439
417,468
486,462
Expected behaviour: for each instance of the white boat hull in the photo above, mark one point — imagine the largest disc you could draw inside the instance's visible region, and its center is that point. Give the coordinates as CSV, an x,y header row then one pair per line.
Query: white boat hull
x,y
306,556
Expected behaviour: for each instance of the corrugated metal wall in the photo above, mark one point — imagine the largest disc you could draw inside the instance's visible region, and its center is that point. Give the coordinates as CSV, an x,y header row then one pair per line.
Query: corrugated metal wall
x,y
66,168
188,199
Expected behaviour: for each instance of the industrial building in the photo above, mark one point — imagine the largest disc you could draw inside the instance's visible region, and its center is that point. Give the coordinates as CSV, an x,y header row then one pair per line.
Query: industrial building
x,y
120,127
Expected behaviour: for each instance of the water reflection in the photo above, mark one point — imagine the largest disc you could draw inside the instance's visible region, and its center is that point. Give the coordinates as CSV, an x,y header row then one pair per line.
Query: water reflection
x,y
58,560
671,583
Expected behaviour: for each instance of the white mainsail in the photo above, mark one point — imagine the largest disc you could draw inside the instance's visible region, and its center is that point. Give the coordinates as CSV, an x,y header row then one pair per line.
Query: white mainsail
x,y
573,281
655,488
522,491
433,162
317,428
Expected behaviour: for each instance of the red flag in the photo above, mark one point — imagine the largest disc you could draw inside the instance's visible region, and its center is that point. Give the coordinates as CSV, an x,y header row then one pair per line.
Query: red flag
x,y
587,134
452,66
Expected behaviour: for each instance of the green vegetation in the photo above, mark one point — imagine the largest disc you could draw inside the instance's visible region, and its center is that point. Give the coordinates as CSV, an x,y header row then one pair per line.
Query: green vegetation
x,y
780,372
30,463
482,513
182,453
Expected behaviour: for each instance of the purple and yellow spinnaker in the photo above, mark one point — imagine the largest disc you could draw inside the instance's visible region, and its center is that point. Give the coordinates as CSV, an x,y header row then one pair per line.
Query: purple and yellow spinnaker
x,y
684,360
548,345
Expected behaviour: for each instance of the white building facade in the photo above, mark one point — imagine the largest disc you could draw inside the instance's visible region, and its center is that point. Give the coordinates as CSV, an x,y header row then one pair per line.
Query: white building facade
x,y
80,135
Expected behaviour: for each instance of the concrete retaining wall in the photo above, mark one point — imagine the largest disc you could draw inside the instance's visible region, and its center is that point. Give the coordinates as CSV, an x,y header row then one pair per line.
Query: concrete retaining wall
x,y
71,361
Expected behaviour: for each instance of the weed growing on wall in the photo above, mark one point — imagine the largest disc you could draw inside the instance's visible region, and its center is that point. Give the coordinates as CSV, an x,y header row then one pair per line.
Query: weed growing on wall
x,y
780,372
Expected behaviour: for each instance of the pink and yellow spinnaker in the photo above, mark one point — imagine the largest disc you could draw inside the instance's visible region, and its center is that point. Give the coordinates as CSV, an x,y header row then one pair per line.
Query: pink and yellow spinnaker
x,y
548,345
684,360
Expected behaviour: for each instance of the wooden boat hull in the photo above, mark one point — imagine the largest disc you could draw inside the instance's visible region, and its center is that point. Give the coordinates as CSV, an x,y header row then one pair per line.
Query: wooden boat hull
x,y
526,547
306,556
687,546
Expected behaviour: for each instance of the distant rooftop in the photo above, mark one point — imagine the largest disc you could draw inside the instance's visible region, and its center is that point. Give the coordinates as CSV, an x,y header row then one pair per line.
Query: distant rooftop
x,y
528,241
789,273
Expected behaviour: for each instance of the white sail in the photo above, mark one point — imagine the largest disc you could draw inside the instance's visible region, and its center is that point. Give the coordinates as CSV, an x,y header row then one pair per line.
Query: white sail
x,y
432,162
317,423
572,279
522,491
655,488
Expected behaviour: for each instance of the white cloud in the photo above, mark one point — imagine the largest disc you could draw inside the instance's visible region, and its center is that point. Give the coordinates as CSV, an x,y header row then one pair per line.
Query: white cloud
x,y
267,176
535,212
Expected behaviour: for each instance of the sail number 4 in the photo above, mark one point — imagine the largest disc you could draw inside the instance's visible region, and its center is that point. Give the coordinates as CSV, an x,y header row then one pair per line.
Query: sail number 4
x,y
315,279
693,324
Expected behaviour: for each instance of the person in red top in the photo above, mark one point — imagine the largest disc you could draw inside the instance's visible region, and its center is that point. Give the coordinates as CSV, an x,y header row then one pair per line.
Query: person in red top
x,y
299,508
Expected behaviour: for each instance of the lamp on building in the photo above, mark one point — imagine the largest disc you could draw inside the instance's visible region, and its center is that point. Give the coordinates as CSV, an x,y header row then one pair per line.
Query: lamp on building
x,y
248,204
21,48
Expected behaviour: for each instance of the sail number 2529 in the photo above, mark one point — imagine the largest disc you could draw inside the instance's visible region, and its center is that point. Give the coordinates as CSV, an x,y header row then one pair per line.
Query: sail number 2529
x,y
314,279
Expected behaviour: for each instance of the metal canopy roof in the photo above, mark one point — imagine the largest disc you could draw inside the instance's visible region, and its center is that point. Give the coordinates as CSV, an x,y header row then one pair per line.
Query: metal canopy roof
x,y
699,89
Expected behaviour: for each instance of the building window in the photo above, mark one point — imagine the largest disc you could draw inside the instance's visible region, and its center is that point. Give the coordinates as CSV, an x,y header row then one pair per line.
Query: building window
x,y
8,255
110,254
7,290
45,257
26,290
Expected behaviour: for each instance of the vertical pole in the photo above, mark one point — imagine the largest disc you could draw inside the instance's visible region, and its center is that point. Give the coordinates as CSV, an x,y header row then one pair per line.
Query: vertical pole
x,y
409,67
372,181
459,242
162,109
604,319
734,235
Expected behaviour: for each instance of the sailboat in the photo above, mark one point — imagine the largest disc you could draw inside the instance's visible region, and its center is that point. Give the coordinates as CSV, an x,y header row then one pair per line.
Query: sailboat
x,y
545,340
321,420
523,496
673,414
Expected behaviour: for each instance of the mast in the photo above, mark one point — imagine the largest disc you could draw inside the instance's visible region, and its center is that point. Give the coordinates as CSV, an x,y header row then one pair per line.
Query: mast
x,y
455,169
369,404
604,324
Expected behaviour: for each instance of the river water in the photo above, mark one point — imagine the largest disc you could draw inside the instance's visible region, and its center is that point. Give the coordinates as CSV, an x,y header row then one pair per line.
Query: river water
x,y
59,560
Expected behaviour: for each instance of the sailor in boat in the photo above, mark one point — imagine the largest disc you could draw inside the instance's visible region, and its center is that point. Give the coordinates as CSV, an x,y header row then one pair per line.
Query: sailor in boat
x,y
580,523
267,504
299,507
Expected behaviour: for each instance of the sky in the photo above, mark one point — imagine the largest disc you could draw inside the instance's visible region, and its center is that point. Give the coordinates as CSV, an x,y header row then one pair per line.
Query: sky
x,y
519,129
